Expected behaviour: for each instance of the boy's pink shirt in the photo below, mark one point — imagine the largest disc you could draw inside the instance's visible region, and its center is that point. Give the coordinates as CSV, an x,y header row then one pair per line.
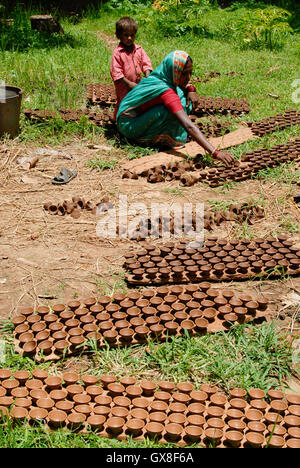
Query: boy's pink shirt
x,y
129,65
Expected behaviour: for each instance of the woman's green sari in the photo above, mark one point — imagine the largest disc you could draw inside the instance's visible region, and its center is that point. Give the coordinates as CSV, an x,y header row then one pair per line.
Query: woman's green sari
x,y
157,125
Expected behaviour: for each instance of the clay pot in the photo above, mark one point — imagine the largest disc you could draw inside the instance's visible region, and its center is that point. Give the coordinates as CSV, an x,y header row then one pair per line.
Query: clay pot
x,y
119,412
217,423
162,396
126,381
233,413
158,405
256,393
29,349
233,438
185,387
198,396
177,408
18,392
57,418
253,415
171,327
181,397
293,399
58,395
135,426
45,347
273,418
278,406
83,409
121,401
293,409
238,403
275,441
107,379
193,419
166,386
213,435
37,393
74,389
110,336
102,410
293,432
255,439
293,443
93,391
116,389
82,399
237,392
209,389
275,394
46,403
115,425
23,328
76,420
10,384
64,405
257,426
23,402
201,325
157,416
96,422
154,429
196,408
70,378
37,415
133,391
218,399
237,424
148,387
139,413
215,411
19,414
4,412
53,382
6,401
173,431
291,420
177,418
126,334
33,384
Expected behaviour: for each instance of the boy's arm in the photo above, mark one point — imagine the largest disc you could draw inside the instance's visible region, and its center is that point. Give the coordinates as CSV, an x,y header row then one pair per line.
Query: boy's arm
x,y
129,84
146,63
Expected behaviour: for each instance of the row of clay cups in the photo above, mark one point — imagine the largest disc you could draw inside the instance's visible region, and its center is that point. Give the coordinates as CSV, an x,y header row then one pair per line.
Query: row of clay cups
x,y
39,378
263,252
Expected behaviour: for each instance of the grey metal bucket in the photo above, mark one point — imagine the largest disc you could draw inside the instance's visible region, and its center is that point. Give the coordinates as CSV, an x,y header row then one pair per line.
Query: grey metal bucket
x,y
10,107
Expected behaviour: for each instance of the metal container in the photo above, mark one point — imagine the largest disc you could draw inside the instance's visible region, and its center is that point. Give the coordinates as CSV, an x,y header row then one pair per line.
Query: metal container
x,y
10,106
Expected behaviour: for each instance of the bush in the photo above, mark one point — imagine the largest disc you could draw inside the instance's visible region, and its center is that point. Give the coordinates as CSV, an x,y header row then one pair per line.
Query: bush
x,y
173,18
264,28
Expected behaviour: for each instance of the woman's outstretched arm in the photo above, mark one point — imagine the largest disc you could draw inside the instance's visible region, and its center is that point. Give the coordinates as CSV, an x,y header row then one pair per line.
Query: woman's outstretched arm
x,y
196,135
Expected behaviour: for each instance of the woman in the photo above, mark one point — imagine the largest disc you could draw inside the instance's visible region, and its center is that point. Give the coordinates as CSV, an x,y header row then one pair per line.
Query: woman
x,y
156,110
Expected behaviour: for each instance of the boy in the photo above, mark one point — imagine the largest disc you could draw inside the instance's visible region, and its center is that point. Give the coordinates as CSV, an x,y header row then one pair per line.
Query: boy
x,y
129,60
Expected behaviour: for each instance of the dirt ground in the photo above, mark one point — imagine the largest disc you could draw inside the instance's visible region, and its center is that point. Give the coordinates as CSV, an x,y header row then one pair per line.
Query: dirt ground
x,y
48,259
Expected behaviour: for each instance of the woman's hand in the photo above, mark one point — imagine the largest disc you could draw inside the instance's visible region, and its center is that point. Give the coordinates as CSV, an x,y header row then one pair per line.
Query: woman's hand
x,y
225,157
193,98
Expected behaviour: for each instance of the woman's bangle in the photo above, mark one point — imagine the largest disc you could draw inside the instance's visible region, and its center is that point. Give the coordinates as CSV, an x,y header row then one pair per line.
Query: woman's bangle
x,y
215,153
191,89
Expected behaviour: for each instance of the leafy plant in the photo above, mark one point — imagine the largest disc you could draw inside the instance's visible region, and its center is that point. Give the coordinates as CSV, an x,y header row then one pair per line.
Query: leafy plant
x,y
264,27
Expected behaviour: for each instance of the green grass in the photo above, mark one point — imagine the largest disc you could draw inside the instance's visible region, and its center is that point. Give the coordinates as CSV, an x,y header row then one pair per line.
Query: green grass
x,y
102,165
